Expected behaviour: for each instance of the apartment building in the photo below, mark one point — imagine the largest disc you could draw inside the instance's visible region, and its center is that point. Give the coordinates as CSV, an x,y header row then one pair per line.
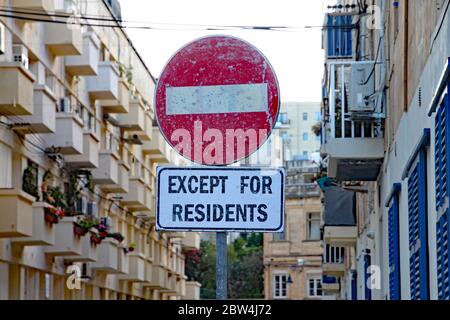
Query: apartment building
x,y
385,129
296,122
293,259
78,150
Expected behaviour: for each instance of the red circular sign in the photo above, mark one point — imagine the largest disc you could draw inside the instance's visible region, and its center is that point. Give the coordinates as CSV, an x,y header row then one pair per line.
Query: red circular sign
x,y
217,100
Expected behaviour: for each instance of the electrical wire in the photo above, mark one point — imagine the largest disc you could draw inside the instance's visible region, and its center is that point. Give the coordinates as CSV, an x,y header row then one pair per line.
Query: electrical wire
x,y
375,63
69,19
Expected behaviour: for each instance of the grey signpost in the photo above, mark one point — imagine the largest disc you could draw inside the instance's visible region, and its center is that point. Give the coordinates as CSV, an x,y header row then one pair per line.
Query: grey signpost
x,y
229,85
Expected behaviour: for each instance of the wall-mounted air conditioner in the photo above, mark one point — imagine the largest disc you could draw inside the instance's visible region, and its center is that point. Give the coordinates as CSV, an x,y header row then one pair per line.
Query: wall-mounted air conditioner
x,y
20,54
361,87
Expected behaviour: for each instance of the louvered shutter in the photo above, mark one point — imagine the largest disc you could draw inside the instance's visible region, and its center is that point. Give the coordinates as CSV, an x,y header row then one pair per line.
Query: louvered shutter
x,y
367,275
418,243
442,198
394,250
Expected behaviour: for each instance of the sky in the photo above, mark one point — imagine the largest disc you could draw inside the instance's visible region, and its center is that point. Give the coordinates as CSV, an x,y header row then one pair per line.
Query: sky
x,y
297,57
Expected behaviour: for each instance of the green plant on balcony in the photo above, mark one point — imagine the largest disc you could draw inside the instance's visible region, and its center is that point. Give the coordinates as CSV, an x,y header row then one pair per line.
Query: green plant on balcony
x,y
53,196
30,181
82,226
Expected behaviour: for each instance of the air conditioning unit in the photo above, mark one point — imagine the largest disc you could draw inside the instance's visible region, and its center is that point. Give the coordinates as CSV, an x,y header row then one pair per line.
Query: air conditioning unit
x,y
20,54
81,206
361,87
92,209
2,38
65,105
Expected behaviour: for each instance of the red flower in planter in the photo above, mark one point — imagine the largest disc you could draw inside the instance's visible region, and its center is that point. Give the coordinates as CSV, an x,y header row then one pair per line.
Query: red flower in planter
x,y
53,215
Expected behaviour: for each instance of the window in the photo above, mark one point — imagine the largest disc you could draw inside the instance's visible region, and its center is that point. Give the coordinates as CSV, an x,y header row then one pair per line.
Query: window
x,y
6,165
314,287
305,154
280,236
318,116
442,155
394,246
417,208
367,275
48,286
280,286
284,118
339,33
305,137
313,226
305,116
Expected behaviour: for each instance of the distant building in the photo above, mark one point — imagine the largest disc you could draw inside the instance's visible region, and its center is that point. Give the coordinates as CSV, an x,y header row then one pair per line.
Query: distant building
x,y
295,123
293,259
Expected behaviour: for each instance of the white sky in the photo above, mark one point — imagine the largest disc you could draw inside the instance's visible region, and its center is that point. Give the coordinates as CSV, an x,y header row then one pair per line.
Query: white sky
x,y
297,57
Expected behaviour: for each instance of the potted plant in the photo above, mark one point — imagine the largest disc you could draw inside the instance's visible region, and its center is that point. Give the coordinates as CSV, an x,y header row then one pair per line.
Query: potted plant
x,y
96,239
82,226
131,247
57,201
117,236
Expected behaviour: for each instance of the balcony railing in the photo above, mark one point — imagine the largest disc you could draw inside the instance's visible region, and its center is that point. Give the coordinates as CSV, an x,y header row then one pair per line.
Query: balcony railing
x,y
302,190
352,126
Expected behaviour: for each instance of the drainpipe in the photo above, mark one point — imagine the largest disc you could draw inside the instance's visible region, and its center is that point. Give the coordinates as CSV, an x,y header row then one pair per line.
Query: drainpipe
x,y
405,57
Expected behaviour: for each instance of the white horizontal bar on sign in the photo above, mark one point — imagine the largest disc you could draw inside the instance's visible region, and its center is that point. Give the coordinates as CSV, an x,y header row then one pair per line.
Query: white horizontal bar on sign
x,y
216,99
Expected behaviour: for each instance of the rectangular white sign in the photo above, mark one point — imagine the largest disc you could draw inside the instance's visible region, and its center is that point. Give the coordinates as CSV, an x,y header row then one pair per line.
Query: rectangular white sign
x,y
220,199
217,99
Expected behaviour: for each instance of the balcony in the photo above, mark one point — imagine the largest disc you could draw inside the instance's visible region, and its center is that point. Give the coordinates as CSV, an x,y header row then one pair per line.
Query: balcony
x,y
159,278
134,120
302,190
107,172
192,290
330,285
41,6
66,242
43,119
340,227
124,261
136,270
16,217
122,103
171,285
123,185
352,128
191,241
90,158
105,85
175,235
68,137
135,198
89,251
333,261
156,149
146,133
340,236
43,232
87,63
108,257
63,40
16,90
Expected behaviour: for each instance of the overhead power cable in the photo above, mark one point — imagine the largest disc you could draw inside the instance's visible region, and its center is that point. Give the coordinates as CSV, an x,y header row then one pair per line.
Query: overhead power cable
x,y
84,21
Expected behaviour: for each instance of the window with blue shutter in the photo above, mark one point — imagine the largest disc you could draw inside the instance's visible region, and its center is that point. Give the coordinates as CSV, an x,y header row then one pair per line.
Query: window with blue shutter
x,y
442,197
339,34
354,286
417,221
394,246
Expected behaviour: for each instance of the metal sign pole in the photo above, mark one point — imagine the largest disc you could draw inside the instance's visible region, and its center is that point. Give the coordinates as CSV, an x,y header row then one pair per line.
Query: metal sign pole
x,y
221,266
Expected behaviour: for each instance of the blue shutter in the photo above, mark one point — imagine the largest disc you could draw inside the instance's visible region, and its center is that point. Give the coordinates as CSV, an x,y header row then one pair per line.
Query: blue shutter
x,y
394,250
339,33
442,154
418,243
367,264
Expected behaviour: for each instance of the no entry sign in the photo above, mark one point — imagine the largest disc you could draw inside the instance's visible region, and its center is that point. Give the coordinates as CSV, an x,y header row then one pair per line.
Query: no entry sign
x,y
217,100
220,199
